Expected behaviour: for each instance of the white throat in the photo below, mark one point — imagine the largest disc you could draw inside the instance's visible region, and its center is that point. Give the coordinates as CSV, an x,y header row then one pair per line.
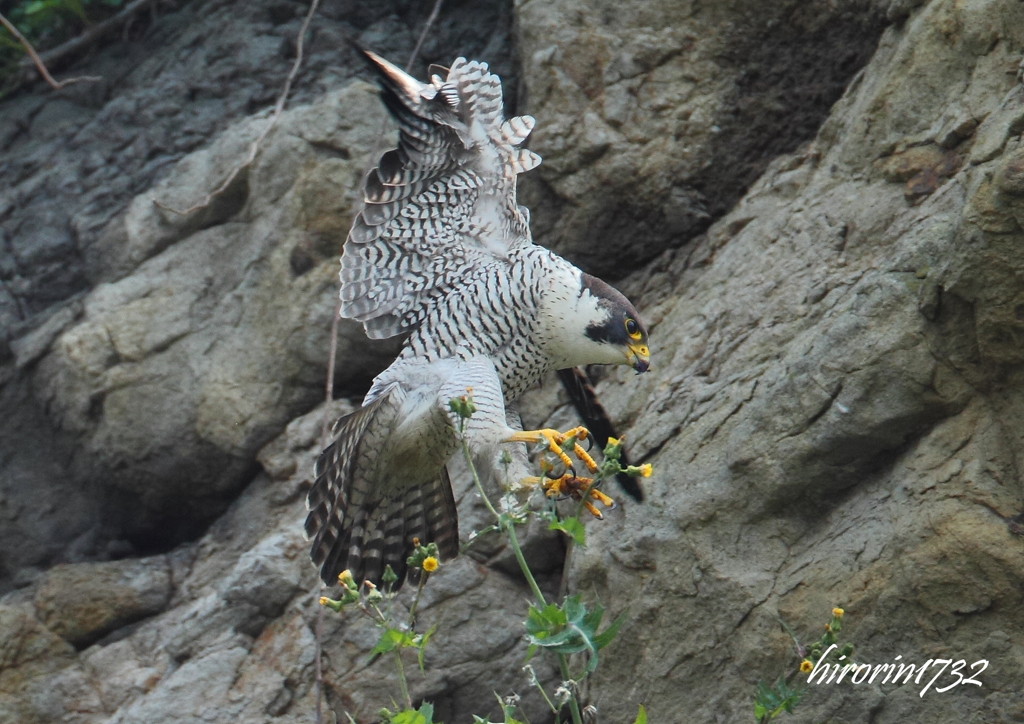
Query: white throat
x,y
564,313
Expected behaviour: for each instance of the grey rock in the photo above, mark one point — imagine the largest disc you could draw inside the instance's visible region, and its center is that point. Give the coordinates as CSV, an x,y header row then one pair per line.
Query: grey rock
x,y
79,170
82,602
653,118
179,372
834,410
786,429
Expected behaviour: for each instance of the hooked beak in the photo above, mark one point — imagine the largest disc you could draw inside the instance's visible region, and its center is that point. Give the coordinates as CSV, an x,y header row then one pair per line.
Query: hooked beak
x,y
639,357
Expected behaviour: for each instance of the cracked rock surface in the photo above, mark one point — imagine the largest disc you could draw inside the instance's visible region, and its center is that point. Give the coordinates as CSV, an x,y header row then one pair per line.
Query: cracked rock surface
x,y
835,409
834,413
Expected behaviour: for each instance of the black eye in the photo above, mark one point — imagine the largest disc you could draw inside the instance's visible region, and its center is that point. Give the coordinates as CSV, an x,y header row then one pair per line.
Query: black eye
x,y
632,328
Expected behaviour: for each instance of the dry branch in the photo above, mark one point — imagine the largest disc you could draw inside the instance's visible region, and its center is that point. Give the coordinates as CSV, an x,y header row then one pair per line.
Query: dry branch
x,y
94,33
254,147
38,62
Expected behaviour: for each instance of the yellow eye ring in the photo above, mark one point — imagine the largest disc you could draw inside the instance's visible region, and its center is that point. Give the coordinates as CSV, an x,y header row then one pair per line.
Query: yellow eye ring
x,y
633,329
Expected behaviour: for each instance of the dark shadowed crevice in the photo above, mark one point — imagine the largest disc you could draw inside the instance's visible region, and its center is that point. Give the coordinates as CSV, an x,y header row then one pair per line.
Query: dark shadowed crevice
x,y
790,70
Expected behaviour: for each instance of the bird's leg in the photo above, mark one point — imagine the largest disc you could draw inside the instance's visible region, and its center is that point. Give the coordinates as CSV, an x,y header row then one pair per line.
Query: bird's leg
x,y
570,486
567,485
556,440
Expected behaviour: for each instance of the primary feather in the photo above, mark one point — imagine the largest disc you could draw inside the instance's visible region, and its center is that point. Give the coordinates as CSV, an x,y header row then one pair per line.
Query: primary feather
x,y
442,251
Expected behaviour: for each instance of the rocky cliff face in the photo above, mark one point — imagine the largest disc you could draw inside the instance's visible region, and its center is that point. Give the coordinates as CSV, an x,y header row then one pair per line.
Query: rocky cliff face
x,y
129,331
835,410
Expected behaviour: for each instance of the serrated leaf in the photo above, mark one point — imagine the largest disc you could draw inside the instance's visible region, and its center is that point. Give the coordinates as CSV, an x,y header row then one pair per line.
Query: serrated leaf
x,y
574,609
592,619
391,639
572,527
769,701
427,712
544,621
605,637
409,717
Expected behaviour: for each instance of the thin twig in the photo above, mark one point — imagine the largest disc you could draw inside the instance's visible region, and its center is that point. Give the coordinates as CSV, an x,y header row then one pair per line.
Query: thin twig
x,y
38,62
94,33
423,36
254,147
332,357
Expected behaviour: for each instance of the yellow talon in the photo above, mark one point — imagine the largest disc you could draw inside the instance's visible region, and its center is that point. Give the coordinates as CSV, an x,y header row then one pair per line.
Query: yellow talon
x,y
557,486
585,457
555,439
604,499
580,433
593,511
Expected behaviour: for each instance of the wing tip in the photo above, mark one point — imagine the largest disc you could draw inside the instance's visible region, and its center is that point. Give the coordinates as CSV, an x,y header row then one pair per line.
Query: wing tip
x,y
395,76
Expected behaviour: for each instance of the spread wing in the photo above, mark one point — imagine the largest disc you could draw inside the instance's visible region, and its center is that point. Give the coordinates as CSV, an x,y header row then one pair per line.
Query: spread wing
x,y
440,206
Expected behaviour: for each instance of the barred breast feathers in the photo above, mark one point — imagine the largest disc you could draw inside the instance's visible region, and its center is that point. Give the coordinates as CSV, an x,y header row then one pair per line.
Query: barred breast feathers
x,y
440,207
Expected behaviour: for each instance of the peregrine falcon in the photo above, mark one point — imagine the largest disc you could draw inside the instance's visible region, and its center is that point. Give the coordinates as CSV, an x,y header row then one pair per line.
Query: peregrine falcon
x,y
442,252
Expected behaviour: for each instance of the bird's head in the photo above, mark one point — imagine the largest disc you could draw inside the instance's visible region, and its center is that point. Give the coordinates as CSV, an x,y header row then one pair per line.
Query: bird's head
x,y
603,327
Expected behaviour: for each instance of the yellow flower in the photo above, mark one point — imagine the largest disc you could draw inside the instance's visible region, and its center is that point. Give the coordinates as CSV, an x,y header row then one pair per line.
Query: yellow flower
x,y
828,628
646,470
323,600
838,612
430,564
613,441
344,577
806,666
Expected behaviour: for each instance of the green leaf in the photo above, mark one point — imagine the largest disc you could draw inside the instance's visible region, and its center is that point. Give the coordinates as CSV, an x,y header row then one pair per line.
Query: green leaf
x,y
541,622
427,712
391,639
409,717
571,629
422,645
641,716
572,527
770,701
574,608
605,637
591,619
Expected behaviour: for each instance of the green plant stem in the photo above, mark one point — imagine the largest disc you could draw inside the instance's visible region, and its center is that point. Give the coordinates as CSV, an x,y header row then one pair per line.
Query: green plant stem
x,y
509,527
574,706
544,694
510,530
476,479
416,600
401,679
563,660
